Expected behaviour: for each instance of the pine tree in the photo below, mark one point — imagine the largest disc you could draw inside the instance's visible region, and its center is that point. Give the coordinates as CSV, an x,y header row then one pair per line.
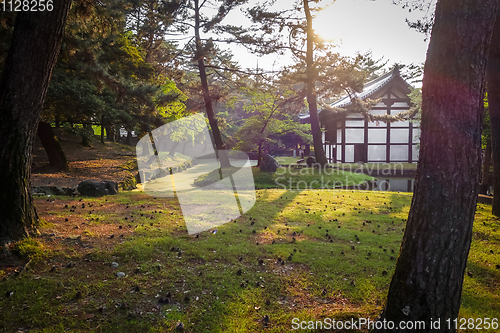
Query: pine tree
x,y
28,67
428,278
318,72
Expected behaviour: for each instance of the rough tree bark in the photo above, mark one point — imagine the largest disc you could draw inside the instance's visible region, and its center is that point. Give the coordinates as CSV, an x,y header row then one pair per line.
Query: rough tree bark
x,y
111,133
319,152
493,77
219,144
427,282
86,136
485,174
56,155
33,53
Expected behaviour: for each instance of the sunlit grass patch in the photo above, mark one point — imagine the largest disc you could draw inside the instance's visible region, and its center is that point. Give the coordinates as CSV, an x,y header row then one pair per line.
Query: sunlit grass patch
x,y
295,254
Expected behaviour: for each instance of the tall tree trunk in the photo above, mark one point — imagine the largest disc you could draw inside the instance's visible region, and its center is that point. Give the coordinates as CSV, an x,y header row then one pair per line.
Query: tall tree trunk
x,y
56,155
110,133
427,282
102,129
485,175
219,144
259,155
493,77
129,138
319,152
86,136
33,53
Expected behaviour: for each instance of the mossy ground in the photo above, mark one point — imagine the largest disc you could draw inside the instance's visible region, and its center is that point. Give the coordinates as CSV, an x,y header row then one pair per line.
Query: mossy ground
x,y
295,254
295,179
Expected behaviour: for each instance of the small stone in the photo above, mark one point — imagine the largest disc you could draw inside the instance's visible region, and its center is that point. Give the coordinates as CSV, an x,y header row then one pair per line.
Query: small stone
x,y
120,274
265,321
179,326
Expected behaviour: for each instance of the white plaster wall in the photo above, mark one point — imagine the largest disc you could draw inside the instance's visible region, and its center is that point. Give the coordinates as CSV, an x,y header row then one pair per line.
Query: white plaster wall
x,y
399,153
376,153
377,135
399,135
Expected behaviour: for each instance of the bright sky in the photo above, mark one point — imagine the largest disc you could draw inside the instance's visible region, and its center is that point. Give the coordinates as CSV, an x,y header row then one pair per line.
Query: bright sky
x,y
359,25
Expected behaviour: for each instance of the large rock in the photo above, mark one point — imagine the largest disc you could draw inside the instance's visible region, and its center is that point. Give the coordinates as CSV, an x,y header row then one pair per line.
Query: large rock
x,y
268,164
52,190
97,188
310,161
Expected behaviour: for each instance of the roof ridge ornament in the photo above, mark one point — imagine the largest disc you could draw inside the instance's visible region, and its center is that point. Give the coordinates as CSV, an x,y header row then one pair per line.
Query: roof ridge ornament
x,y
396,69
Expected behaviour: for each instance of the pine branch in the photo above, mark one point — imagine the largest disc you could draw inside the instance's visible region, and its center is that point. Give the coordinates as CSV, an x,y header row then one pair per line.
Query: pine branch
x,y
239,71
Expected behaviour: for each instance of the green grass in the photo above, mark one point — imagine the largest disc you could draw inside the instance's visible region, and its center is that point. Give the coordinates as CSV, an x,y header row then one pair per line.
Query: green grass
x,y
395,168
229,280
28,248
293,178
285,160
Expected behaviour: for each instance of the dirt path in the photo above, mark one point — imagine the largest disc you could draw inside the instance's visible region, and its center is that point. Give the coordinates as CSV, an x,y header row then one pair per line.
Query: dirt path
x,y
102,161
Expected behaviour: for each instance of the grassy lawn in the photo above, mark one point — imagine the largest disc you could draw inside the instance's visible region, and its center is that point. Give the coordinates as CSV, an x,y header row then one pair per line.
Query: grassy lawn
x,y
294,179
287,160
307,255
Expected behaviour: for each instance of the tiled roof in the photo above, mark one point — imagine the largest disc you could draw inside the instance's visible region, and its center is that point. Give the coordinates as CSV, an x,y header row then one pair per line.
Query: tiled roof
x,y
368,90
